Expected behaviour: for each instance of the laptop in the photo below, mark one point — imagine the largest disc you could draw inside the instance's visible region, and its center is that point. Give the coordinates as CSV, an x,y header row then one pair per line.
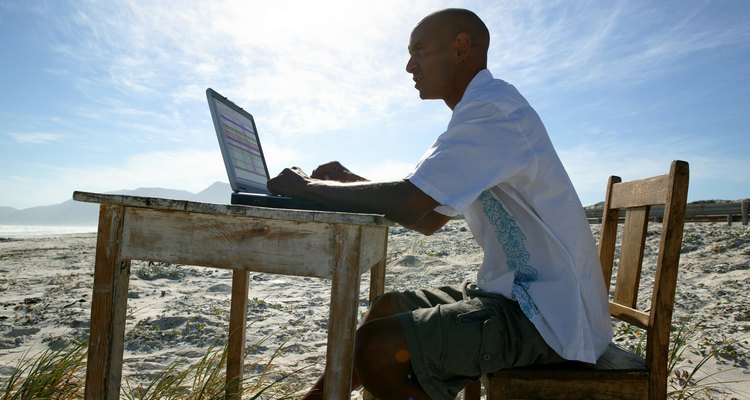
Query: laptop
x,y
243,157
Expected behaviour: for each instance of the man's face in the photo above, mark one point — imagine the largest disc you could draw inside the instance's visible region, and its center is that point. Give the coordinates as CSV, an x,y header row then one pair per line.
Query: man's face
x,y
431,62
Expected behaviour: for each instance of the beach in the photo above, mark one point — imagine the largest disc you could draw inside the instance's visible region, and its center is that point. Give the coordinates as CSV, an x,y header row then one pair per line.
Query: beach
x,y
175,313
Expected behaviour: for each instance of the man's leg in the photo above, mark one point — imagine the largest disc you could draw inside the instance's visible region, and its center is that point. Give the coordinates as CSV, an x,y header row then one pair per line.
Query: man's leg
x,y
382,361
382,307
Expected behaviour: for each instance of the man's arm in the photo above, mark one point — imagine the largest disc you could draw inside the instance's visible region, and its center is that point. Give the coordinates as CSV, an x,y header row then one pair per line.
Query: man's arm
x,y
430,223
400,201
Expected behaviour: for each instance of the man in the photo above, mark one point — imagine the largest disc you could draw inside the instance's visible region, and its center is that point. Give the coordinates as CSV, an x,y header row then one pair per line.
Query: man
x,y
539,295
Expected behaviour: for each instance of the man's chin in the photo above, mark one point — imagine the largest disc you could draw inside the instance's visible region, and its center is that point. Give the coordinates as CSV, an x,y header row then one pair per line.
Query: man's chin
x,y
426,96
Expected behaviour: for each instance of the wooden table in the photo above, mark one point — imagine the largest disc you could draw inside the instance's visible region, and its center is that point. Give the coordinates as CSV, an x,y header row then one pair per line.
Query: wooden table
x,y
341,246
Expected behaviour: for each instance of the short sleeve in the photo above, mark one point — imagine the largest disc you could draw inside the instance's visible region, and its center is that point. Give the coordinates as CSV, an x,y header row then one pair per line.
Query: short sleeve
x,y
447,211
481,148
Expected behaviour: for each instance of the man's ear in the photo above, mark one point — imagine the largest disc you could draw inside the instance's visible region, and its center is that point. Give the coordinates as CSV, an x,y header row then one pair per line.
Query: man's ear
x,y
463,45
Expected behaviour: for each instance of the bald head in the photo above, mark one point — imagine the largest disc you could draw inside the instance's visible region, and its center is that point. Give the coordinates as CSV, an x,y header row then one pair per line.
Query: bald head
x,y
451,22
446,50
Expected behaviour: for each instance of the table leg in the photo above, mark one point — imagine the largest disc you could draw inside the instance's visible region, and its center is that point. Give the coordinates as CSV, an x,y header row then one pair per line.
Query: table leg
x,y
236,339
377,287
108,308
342,323
377,274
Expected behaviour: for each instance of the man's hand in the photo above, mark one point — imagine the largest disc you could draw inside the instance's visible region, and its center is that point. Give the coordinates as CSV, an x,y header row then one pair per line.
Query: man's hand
x,y
290,182
334,171
335,186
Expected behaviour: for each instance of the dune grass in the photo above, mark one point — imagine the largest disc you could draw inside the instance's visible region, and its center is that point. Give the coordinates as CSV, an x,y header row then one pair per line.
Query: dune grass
x,y
53,374
59,374
688,380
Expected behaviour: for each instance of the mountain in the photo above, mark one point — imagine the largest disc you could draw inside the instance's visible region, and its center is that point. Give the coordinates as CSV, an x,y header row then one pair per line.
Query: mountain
x,y
7,211
75,213
218,193
157,192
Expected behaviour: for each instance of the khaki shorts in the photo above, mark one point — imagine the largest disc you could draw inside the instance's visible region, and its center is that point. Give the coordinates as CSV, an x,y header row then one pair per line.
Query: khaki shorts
x,y
456,334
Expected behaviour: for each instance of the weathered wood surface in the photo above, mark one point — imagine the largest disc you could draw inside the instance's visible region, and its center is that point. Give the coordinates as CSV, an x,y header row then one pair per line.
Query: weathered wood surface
x,y
156,203
629,315
278,246
236,336
640,192
608,235
109,306
736,211
614,359
665,280
600,389
342,322
377,287
319,244
631,256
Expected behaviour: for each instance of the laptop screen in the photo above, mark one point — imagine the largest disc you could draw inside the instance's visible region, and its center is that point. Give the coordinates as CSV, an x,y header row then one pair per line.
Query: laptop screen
x,y
240,145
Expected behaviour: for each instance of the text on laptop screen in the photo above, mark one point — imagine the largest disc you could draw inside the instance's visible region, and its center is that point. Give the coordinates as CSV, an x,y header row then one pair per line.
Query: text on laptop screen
x,y
242,145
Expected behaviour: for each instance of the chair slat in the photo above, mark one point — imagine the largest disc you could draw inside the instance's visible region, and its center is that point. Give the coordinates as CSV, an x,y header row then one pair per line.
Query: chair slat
x,y
631,256
618,359
613,360
641,192
595,389
630,315
608,234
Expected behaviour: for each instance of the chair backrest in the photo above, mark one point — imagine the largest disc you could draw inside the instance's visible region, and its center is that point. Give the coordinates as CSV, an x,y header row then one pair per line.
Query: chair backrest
x,y
636,198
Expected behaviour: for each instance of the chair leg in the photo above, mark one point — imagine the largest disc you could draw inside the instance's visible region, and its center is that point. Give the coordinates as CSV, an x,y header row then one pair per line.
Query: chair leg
x,y
473,390
498,388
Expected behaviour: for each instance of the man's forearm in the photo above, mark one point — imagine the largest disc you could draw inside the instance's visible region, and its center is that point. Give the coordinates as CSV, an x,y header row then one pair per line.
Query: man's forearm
x,y
400,201
430,223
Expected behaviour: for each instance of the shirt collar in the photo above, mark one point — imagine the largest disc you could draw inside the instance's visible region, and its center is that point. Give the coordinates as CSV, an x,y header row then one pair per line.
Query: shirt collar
x,y
480,79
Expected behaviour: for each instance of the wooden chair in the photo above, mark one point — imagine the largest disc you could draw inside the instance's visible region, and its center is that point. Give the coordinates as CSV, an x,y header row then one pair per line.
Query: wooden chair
x,y
618,374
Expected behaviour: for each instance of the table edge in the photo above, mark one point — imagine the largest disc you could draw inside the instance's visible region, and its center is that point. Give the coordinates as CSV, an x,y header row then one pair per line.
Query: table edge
x,y
237,210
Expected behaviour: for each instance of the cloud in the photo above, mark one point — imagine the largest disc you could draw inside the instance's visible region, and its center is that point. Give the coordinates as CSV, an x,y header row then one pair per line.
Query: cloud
x,y
187,170
711,163
279,157
387,170
35,137
312,69
316,70
554,46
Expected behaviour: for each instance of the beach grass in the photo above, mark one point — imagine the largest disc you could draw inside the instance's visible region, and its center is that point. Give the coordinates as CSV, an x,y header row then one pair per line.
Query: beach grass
x,y
59,374
53,374
687,380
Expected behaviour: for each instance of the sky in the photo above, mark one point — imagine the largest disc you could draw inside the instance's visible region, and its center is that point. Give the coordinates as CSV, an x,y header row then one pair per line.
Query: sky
x,y
108,95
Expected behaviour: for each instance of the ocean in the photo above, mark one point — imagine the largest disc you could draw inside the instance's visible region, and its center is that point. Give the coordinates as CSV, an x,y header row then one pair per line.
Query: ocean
x,y
27,231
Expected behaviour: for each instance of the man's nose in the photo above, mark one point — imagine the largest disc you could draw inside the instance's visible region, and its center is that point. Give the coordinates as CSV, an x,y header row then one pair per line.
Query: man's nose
x,y
411,66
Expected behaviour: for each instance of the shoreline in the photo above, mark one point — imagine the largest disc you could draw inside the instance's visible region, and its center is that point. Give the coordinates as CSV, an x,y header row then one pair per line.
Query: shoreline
x,y
16,232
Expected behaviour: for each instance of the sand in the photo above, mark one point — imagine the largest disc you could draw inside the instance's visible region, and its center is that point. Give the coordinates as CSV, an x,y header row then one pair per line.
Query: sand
x,y
176,312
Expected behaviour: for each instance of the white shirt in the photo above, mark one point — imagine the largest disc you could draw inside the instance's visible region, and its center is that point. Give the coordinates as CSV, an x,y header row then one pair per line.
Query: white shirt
x,y
496,165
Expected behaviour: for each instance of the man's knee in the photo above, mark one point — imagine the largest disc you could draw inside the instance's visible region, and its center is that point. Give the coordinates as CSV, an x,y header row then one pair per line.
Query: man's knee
x,y
380,345
370,343
384,305
365,345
